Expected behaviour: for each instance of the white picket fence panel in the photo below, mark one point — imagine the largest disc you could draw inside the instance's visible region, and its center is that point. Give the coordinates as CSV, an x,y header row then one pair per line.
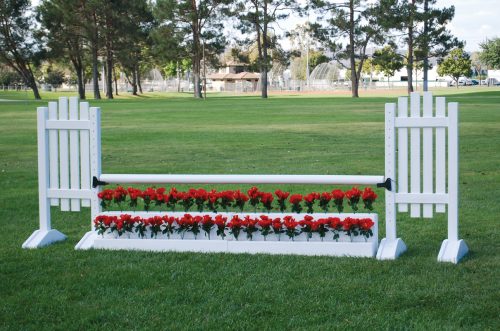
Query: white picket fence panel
x,y
416,147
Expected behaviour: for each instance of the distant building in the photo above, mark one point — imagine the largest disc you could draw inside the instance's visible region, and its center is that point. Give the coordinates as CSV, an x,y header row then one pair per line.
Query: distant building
x,y
233,77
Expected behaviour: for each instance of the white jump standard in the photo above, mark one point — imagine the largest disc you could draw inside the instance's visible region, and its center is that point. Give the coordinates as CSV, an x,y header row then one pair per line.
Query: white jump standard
x,y
421,170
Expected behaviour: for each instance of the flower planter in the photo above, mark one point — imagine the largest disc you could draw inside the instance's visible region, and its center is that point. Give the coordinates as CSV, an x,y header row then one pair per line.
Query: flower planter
x,y
345,245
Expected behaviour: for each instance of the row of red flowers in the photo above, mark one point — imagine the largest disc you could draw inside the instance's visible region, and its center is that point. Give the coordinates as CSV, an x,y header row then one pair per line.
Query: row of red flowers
x,y
214,200
167,225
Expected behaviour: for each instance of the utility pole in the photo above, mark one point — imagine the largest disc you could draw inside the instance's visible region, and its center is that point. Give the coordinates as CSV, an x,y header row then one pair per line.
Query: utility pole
x,y
426,44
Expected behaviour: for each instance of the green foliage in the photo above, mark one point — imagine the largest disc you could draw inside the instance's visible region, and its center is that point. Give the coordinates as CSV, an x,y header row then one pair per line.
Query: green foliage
x,y
490,53
9,77
19,49
356,21
388,61
456,64
55,78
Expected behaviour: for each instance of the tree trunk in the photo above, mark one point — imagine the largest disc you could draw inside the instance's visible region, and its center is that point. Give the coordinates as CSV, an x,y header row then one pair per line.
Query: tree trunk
x,y
178,78
32,83
138,75
95,72
134,82
109,72
81,84
352,58
116,81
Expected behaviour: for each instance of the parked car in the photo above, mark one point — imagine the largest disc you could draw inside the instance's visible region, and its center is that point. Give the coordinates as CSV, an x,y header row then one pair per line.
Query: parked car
x,y
474,82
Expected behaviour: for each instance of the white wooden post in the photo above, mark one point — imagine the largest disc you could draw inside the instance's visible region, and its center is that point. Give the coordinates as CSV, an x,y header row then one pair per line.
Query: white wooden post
x,y
391,246
87,240
45,235
452,249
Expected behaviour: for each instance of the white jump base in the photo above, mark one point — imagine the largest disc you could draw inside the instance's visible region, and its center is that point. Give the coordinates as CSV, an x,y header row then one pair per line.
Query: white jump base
x,y
357,246
421,177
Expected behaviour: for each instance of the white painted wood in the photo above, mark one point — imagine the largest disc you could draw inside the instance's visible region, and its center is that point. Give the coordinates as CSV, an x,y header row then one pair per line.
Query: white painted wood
x,y
74,153
402,167
53,153
390,171
95,159
415,153
421,198
240,179
63,152
452,251
70,193
427,159
43,169
344,247
41,238
68,124
440,153
422,122
453,172
85,152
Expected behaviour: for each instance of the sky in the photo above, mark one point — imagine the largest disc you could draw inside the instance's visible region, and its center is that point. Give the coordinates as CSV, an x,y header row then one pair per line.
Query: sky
x,y
474,22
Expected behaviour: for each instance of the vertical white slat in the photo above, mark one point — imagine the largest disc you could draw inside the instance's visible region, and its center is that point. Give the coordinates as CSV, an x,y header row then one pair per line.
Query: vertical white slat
x,y
53,153
453,171
95,159
74,153
390,171
63,152
85,152
440,154
402,167
427,159
43,169
415,153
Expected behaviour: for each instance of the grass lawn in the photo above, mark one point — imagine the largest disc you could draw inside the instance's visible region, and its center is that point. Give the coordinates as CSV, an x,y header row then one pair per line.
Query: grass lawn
x,y
58,288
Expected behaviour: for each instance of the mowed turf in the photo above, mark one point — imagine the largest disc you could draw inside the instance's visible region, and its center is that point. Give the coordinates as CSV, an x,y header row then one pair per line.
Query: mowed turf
x,y
58,288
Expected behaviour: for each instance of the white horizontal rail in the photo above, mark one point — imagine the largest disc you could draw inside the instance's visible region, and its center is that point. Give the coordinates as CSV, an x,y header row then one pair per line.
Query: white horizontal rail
x,y
422,198
67,125
421,122
241,179
69,193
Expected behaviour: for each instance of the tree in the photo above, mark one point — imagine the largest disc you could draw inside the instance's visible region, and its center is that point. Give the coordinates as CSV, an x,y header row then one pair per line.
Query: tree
x,y
456,65
490,53
477,65
18,47
359,23
199,24
388,61
63,31
424,31
9,77
255,17
55,78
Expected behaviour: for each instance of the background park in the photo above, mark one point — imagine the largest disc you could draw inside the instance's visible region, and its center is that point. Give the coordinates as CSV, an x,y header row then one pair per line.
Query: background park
x,y
312,132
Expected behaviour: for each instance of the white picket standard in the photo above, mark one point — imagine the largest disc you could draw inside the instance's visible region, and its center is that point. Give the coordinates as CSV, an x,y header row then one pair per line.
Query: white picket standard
x,y
64,176
416,175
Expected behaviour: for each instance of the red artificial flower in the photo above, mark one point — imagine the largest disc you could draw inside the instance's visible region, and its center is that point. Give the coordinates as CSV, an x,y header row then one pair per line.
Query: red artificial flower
x,y
267,200
240,199
226,199
290,226
324,200
353,195
309,200
220,222
235,225
368,197
254,195
338,200
295,200
282,197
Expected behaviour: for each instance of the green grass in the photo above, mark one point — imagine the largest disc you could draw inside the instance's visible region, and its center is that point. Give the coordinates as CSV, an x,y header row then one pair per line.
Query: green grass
x,y
60,288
